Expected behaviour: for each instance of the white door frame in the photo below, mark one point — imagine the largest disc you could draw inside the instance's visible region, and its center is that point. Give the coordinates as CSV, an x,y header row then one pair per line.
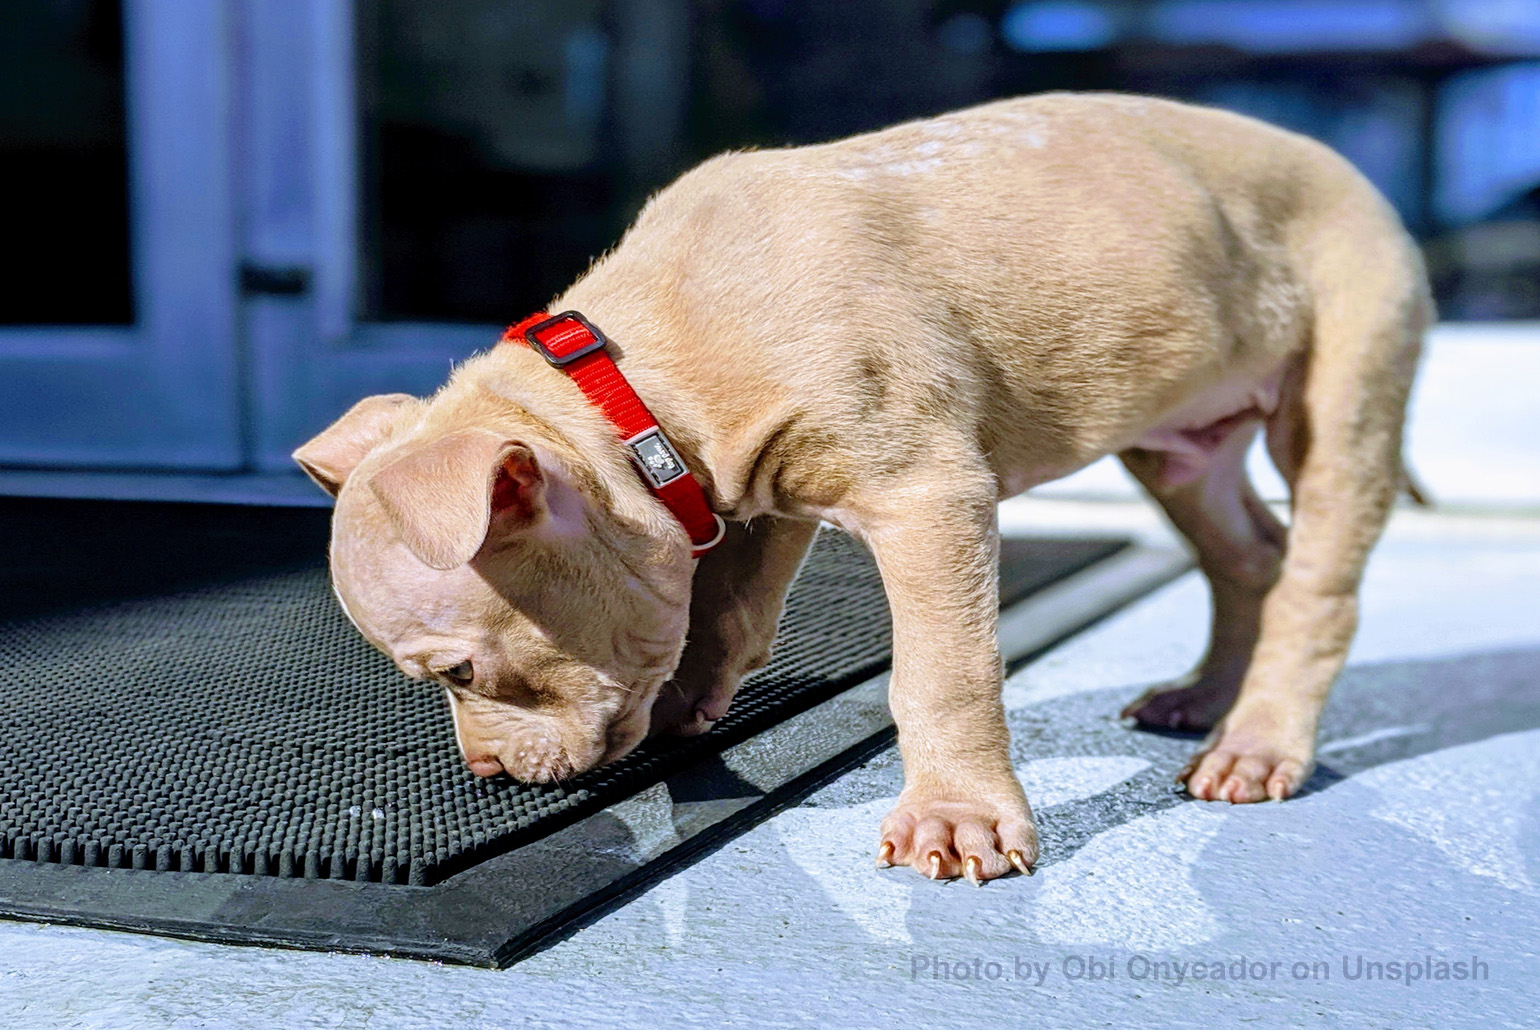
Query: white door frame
x,y
310,355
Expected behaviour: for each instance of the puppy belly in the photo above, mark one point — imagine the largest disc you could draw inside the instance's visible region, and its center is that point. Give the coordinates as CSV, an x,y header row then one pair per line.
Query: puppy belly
x,y
1189,440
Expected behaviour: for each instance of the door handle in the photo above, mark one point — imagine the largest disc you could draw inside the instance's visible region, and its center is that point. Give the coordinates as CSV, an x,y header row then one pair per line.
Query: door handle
x,y
282,280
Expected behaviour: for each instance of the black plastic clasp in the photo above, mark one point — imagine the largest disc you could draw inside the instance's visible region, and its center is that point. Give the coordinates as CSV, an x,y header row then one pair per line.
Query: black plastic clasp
x,y
558,360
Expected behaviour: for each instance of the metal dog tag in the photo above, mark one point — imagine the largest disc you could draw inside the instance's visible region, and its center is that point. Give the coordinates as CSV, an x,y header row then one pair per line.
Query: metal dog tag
x,y
656,457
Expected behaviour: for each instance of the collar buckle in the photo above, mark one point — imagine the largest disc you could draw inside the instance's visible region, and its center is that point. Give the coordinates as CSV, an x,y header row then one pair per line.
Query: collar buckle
x,y
554,347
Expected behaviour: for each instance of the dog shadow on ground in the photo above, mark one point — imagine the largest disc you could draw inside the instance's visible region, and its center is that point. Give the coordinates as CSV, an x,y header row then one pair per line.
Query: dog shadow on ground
x,y
1378,714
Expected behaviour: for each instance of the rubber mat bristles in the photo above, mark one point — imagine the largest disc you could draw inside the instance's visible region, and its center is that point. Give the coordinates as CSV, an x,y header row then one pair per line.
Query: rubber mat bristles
x,y
247,729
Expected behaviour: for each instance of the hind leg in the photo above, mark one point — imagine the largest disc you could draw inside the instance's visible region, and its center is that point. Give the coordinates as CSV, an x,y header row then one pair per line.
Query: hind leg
x,y
1337,439
1239,546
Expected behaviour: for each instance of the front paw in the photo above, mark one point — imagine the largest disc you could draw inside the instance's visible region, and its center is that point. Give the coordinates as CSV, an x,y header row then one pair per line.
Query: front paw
x,y
685,711
957,835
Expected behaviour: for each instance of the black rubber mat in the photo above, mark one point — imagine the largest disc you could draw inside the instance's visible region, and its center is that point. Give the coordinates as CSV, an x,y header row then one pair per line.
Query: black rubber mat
x,y
243,726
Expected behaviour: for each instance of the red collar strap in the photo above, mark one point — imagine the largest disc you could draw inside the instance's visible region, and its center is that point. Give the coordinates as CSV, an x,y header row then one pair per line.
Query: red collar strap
x,y
572,345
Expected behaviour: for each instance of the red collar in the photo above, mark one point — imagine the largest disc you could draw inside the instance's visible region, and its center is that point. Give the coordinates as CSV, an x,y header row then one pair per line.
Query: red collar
x,y
571,344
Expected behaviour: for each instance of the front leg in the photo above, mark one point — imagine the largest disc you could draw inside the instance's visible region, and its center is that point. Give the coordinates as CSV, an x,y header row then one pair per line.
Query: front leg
x,y
962,811
739,591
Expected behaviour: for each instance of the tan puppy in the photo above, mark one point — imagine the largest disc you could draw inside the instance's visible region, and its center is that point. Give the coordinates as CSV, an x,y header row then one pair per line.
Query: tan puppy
x,y
891,333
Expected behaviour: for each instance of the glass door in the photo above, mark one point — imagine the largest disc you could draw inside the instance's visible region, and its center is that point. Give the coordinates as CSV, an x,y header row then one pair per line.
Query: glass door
x,y
417,176
118,308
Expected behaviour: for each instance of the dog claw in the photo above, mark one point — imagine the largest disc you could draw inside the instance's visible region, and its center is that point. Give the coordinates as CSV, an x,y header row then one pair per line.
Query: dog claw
x,y
973,869
1019,862
935,865
885,855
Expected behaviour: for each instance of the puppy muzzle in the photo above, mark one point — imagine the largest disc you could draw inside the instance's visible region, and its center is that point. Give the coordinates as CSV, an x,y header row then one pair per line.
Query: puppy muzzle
x,y
532,753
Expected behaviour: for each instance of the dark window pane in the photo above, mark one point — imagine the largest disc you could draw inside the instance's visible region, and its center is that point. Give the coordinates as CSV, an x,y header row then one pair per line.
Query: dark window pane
x,y
509,142
487,188
63,163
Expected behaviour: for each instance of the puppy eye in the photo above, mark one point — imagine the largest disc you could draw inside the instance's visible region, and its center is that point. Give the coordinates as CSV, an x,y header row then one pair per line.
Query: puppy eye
x,y
461,674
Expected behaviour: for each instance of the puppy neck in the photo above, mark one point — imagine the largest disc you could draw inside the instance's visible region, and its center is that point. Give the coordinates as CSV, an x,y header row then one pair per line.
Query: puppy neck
x,y
717,413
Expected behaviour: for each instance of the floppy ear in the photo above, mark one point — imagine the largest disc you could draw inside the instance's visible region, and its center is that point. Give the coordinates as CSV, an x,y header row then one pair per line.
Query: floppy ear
x,y
332,456
445,496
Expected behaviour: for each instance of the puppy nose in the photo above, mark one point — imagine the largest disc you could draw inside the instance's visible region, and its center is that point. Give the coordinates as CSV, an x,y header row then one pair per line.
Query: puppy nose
x,y
484,765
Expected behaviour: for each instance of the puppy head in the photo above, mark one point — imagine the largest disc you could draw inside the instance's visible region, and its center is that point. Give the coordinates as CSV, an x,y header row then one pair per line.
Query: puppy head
x,y
490,558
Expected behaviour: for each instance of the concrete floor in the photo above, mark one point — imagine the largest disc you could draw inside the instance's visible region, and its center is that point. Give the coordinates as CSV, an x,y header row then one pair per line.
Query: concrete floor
x,y
1415,843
